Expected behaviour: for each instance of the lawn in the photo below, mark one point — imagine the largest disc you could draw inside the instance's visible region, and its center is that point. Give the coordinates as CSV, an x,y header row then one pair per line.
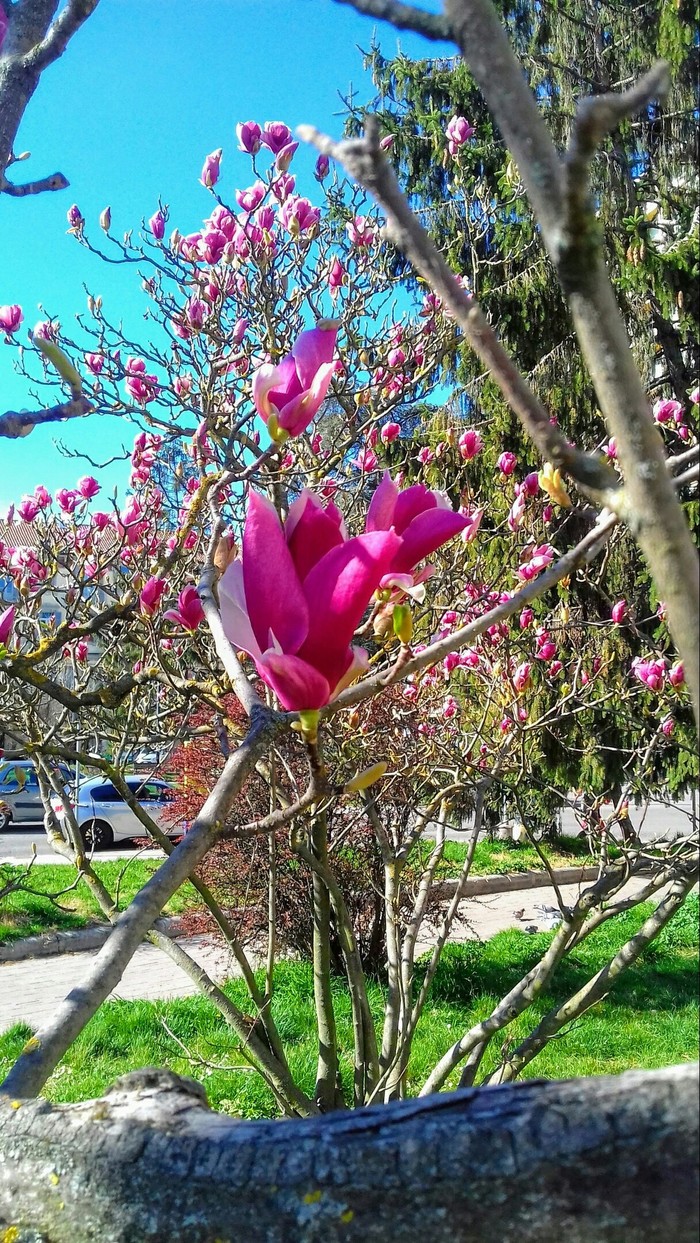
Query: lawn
x,y
24,914
650,1019
54,902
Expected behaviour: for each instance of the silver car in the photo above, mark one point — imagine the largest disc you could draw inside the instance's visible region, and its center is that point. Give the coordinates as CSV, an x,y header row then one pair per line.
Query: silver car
x,y
20,799
105,818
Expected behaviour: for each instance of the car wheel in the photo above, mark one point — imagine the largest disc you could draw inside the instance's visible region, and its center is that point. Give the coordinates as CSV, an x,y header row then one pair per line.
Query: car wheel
x,y
97,835
5,818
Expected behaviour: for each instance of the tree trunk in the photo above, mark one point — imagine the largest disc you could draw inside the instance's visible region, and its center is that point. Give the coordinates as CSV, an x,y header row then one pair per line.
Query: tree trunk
x,y
609,1160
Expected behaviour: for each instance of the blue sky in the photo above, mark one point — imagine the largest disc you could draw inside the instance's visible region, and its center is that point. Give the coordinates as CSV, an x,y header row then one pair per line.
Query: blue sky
x,y
142,94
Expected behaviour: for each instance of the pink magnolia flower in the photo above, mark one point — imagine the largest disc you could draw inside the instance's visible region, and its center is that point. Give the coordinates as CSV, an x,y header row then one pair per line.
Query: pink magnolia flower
x,y
275,136
283,186
619,612
156,225
366,460
323,167
450,707
694,397
142,387
473,523
337,277
7,621
676,674
296,595
611,449
299,217
95,363
42,497
667,726
666,410
284,157
251,198
81,651
288,394
424,520
10,318
542,556
68,500
651,672
151,594
516,514
555,669
458,132
522,677
526,618
390,432
75,217
425,455
87,487
530,485
362,231
189,612
249,136
507,463
470,443
211,169
28,508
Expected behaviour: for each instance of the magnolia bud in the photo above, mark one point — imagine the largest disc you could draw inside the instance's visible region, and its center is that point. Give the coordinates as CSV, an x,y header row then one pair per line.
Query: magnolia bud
x,y
106,219
403,623
362,781
383,622
225,552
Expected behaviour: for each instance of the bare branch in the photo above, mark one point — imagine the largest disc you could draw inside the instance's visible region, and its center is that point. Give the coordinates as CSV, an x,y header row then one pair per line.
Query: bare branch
x,y
59,34
365,162
56,181
15,424
403,17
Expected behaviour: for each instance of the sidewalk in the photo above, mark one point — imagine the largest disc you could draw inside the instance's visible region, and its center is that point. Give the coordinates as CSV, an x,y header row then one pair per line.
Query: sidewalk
x,y
30,990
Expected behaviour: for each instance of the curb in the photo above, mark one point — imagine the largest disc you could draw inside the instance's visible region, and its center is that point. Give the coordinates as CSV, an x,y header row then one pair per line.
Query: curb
x,y
511,882
93,938
74,942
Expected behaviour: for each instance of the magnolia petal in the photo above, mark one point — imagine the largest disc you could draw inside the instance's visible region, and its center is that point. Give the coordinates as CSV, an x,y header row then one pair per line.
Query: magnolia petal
x,y
296,415
359,664
410,503
273,594
338,590
234,612
425,534
380,515
314,534
312,349
298,686
264,380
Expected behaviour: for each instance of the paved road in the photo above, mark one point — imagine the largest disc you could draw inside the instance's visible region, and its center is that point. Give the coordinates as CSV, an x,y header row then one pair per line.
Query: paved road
x,y
31,990
660,821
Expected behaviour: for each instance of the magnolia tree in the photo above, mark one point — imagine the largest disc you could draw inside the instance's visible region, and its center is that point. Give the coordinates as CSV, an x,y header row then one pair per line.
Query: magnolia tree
x,y
296,602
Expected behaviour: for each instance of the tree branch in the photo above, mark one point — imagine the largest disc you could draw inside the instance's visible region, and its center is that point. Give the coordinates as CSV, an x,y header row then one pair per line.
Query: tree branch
x,y
15,424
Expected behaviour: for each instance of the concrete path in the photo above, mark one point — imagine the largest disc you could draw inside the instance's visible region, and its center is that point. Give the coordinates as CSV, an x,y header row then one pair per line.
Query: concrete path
x,y
30,990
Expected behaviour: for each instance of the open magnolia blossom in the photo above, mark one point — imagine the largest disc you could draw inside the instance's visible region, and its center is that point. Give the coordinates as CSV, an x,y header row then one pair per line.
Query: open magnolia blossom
x,y
295,597
289,394
424,519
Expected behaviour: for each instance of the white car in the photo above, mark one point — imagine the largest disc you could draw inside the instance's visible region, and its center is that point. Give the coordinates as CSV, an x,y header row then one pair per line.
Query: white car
x,y
105,818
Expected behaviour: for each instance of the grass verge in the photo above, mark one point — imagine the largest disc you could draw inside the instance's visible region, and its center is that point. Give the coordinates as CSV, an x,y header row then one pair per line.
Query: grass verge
x,y
53,902
649,1020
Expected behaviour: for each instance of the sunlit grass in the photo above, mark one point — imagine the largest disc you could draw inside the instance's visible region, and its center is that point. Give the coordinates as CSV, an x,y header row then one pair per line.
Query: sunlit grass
x,y
649,1020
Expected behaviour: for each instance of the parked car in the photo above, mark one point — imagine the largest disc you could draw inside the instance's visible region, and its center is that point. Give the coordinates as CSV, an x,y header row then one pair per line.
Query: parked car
x,y
20,799
105,818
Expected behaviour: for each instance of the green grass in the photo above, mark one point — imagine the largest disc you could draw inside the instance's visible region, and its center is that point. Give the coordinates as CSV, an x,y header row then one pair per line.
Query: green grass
x,y
28,913
25,914
497,858
649,1020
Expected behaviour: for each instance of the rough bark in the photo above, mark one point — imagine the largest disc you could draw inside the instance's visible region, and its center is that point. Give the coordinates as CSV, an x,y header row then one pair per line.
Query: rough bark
x,y
609,1160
